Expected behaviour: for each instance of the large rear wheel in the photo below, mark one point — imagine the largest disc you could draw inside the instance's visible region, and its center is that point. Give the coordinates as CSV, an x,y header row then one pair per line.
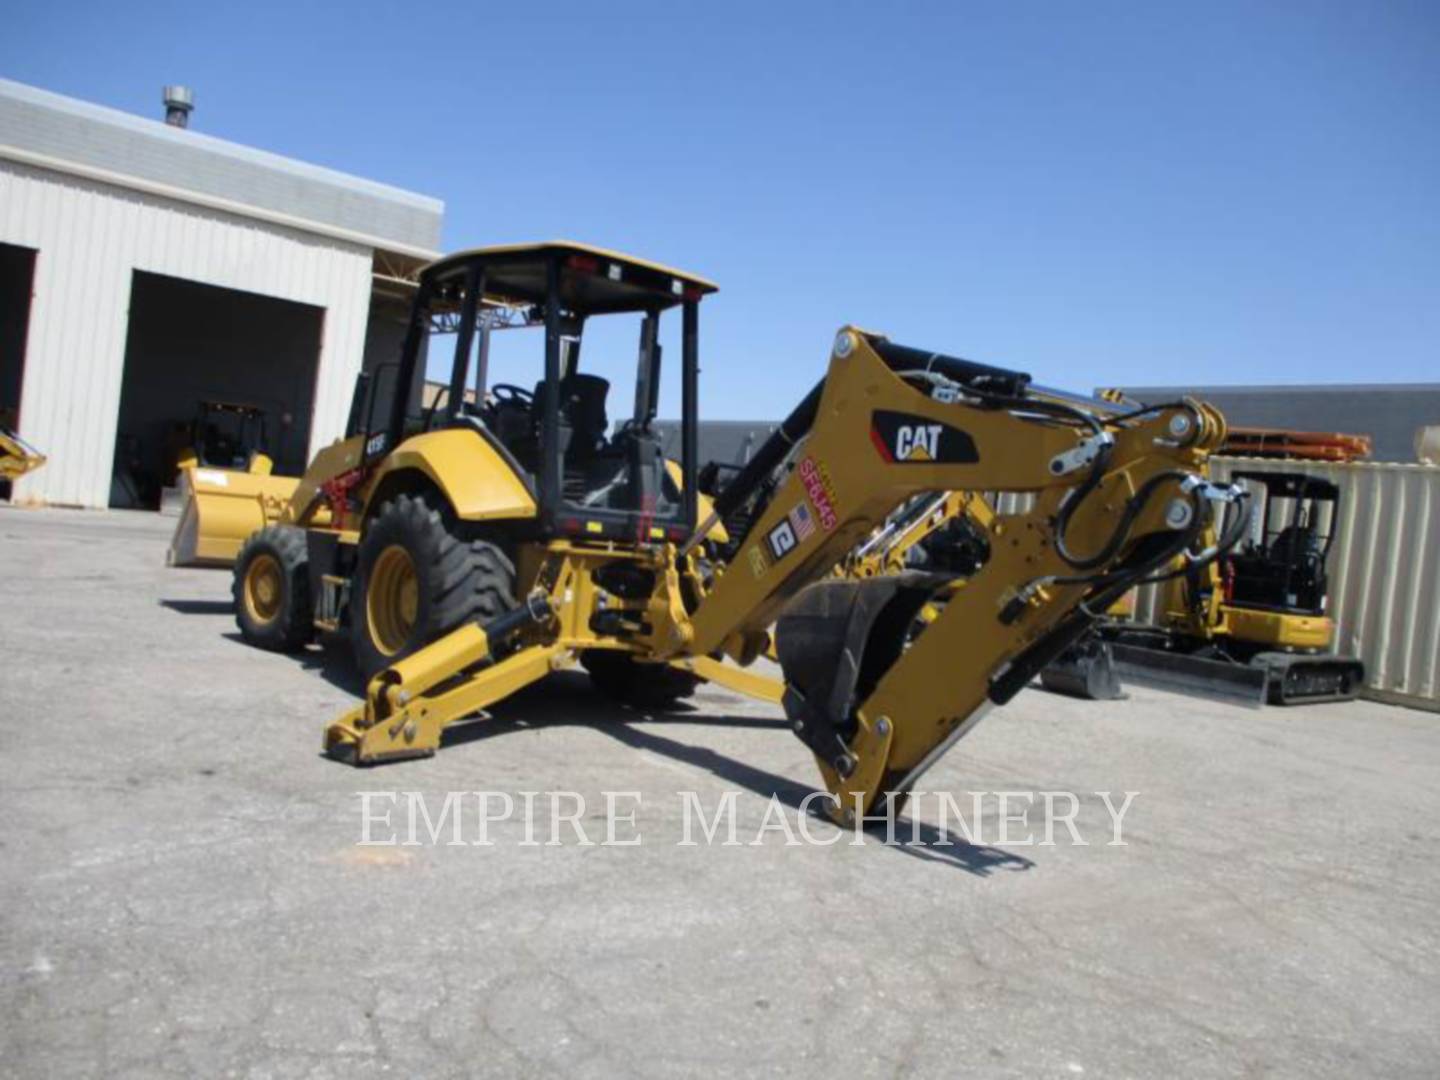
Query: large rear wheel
x,y
271,588
417,578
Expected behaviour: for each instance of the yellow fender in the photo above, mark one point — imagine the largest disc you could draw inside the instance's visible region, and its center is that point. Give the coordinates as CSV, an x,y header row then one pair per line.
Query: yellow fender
x,y
479,483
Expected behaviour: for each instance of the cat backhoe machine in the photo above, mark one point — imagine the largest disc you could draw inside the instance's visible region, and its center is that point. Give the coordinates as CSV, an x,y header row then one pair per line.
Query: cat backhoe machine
x,y
476,552
1250,627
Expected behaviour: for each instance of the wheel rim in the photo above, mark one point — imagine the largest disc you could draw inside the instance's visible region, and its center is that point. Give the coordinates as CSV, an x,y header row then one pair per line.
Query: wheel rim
x,y
392,600
264,588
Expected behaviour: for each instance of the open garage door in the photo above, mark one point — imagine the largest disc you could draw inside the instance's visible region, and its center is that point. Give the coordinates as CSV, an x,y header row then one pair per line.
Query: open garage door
x,y
17,276
191,344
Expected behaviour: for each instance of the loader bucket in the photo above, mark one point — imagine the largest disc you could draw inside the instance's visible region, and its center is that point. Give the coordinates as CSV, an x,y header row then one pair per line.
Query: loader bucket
x,y
220,509
17,457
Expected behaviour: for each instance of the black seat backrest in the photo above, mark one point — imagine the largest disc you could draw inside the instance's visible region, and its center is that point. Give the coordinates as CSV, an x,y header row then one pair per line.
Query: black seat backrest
x,y
582,410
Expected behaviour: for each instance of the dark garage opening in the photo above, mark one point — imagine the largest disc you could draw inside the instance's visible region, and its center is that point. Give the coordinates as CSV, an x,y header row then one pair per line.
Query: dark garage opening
x,y
17,277
190,343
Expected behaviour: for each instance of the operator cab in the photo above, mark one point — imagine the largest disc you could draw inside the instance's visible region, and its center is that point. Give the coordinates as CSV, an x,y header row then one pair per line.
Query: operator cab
x,y
588,480
226,435
1281,566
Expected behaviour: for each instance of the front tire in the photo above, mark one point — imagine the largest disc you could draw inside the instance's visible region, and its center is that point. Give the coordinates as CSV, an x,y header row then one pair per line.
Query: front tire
x,y
417,578
271,588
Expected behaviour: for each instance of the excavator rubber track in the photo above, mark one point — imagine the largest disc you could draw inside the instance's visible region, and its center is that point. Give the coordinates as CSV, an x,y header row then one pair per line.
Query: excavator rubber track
x,y
1298,679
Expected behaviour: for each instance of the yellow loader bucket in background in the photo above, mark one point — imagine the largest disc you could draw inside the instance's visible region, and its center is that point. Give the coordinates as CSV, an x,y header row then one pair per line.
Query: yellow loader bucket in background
x,y
221,508
17,457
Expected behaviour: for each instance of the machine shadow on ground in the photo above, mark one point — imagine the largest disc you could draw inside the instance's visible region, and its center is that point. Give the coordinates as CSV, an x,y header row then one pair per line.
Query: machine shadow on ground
x,y
200,607
567,699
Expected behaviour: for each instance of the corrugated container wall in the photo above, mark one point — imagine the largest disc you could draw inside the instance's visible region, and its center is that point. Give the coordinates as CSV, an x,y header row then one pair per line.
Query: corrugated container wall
x,y
91,238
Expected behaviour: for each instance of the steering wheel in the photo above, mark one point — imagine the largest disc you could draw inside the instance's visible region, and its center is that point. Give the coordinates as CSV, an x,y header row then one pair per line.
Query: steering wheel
x,y
508,393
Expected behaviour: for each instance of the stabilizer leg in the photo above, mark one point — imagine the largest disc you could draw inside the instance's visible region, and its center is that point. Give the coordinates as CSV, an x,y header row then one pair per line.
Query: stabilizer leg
x,y
408,705
741,681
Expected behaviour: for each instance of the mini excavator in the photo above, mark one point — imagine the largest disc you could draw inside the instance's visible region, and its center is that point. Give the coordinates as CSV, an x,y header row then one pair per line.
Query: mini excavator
x,y
1251,627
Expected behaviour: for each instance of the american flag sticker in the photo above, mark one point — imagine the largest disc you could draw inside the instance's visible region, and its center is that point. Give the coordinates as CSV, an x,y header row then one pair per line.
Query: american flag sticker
x,y
801,521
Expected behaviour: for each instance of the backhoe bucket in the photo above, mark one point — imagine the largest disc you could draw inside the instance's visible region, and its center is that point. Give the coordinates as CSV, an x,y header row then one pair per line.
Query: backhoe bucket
x,y
1085,670
221,508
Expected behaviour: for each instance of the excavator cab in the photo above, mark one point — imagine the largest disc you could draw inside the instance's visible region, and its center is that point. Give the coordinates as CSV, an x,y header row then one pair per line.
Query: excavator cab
x,y
586,480
1283,568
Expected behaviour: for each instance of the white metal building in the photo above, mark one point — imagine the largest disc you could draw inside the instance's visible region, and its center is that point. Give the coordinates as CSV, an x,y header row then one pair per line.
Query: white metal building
x,y
145,268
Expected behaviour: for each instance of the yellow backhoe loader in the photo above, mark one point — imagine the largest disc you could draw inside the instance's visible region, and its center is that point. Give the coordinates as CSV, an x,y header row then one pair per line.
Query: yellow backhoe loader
x,y
474,551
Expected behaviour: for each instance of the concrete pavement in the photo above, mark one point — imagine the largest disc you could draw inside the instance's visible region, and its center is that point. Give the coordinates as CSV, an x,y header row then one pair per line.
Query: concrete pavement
x,y
182,892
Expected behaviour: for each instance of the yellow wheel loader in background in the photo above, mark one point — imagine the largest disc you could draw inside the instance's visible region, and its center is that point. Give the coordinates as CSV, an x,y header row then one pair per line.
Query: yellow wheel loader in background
x,y
226,487
471,552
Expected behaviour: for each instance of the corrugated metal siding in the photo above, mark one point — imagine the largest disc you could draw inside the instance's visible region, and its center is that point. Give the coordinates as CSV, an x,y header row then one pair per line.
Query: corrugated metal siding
x,y
91,135
91,237
1384,571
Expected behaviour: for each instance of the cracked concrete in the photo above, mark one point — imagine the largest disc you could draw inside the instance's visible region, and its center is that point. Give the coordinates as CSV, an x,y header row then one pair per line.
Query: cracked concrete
x,y
181,892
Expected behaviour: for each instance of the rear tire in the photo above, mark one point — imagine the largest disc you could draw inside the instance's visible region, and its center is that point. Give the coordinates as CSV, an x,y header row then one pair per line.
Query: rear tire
x,y
646,686
417,578
271,588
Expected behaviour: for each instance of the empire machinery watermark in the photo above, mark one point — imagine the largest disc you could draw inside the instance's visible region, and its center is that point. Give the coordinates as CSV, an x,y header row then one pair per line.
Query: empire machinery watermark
x,y
613,819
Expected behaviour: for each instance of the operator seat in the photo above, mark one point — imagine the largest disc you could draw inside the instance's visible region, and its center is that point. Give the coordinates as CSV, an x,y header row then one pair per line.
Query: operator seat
x,y
583,423
583,420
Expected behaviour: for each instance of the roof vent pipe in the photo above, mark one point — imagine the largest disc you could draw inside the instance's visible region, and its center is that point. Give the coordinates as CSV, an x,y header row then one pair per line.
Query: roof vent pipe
x,y
179,101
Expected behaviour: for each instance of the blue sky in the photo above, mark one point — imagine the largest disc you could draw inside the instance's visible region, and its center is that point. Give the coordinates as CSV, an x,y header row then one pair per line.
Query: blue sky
x,y
1098,193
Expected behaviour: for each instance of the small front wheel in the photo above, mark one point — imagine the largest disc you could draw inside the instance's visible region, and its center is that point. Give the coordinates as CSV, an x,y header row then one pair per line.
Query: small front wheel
x,y
272,589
